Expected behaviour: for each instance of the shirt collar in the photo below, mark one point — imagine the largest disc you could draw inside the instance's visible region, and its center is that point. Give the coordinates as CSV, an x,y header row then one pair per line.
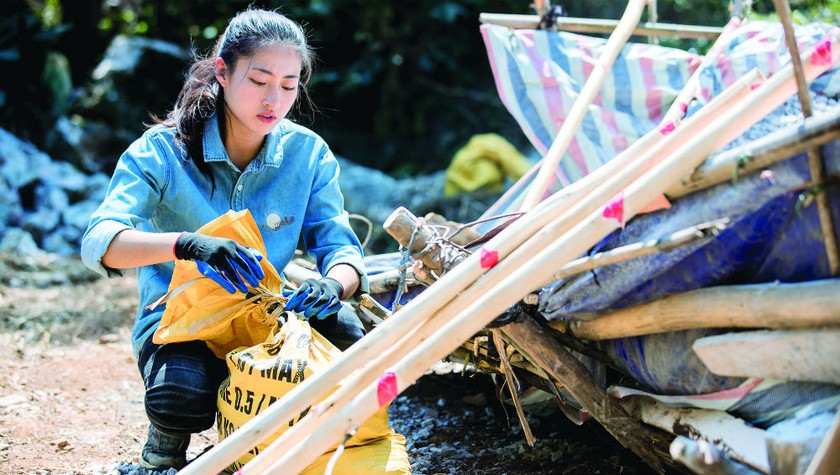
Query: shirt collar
x,y
214,149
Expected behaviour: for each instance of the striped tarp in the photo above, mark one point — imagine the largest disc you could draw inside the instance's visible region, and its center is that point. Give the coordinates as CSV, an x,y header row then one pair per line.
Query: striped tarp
x,y
539,74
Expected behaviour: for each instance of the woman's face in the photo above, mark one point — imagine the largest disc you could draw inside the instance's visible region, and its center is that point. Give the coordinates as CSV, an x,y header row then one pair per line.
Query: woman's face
x,y
260,90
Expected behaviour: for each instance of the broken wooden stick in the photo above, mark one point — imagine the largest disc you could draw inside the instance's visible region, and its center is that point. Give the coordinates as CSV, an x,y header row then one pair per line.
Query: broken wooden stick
x,y
544,351
668,243
743,442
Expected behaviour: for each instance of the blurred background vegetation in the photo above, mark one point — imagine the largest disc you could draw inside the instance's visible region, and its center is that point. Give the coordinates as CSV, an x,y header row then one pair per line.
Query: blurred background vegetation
x,y
399,86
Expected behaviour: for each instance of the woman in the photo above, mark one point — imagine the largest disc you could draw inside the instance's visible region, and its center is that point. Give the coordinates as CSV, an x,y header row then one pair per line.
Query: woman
x,y
225,145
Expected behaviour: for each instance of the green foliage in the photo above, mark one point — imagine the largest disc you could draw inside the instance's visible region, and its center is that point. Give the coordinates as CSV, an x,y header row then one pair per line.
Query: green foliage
x,y
35,83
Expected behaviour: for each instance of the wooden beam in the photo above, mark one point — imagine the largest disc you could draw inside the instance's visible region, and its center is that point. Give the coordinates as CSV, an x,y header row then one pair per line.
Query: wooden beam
x,y
589,25
544,351
773,305
795,355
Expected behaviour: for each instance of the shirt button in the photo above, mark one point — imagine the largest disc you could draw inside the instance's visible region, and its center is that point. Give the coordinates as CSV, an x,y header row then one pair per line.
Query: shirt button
x,y
239,187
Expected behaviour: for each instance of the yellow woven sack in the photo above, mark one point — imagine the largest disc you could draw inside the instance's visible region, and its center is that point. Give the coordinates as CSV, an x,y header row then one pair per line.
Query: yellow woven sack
x,y
197,308
263,373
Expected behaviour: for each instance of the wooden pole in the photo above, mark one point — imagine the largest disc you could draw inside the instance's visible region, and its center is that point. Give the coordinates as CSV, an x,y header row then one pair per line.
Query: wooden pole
x,y
814,156
563,208
571,204
668,243
678,108
801,305
506,283
589,25
758,154
593,84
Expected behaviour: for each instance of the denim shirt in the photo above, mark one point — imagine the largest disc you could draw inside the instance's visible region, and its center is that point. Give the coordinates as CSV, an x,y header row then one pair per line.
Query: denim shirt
x,y
291,189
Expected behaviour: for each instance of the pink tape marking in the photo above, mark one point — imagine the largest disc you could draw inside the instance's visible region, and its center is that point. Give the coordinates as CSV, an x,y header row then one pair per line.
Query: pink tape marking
x,y
667,128
615,209
386,389
755,86
822,53
683,107
489,258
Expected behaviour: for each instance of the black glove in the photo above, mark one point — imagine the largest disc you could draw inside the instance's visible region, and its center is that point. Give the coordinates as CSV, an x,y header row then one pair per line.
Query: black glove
x,y
223,260
316,297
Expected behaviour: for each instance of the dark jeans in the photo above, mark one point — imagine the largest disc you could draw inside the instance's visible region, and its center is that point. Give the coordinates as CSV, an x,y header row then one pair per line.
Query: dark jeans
x,y
182,379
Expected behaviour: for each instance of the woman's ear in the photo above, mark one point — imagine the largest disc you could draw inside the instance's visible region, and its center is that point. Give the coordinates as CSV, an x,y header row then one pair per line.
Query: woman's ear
x,y
221,71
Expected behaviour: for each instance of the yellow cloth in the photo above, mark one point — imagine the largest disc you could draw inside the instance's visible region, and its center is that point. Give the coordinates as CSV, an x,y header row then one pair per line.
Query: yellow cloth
x,y
484,163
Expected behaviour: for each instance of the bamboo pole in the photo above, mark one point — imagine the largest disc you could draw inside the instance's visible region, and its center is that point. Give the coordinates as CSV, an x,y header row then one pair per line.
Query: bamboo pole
x,y
588,25
572,203
802,305
481,302
564,207
617,40
815,161
678,108
668,243
756,155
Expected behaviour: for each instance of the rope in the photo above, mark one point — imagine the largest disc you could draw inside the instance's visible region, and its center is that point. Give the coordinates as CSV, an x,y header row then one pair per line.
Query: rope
x,y
369,225
406,257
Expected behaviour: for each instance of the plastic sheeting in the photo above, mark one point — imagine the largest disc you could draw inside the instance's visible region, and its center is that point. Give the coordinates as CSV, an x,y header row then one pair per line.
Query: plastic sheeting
x,y
539,74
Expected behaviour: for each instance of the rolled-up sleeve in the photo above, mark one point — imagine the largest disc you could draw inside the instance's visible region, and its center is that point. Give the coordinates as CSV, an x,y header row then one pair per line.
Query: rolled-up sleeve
x,y
326,229
133,194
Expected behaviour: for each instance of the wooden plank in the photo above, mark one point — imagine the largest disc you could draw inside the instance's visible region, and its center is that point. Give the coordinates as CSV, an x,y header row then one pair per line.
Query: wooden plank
x,y
799,355
759,154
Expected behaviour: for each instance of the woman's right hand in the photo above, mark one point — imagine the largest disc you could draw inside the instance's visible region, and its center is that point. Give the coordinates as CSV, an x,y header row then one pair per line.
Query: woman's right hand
x,y
224,260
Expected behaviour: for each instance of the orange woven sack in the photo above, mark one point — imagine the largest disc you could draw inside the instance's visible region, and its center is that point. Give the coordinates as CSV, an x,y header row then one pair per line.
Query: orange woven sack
x,y
197,308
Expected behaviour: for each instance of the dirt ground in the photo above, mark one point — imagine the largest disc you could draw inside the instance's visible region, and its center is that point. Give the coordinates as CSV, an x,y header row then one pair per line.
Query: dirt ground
x,y
71,398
